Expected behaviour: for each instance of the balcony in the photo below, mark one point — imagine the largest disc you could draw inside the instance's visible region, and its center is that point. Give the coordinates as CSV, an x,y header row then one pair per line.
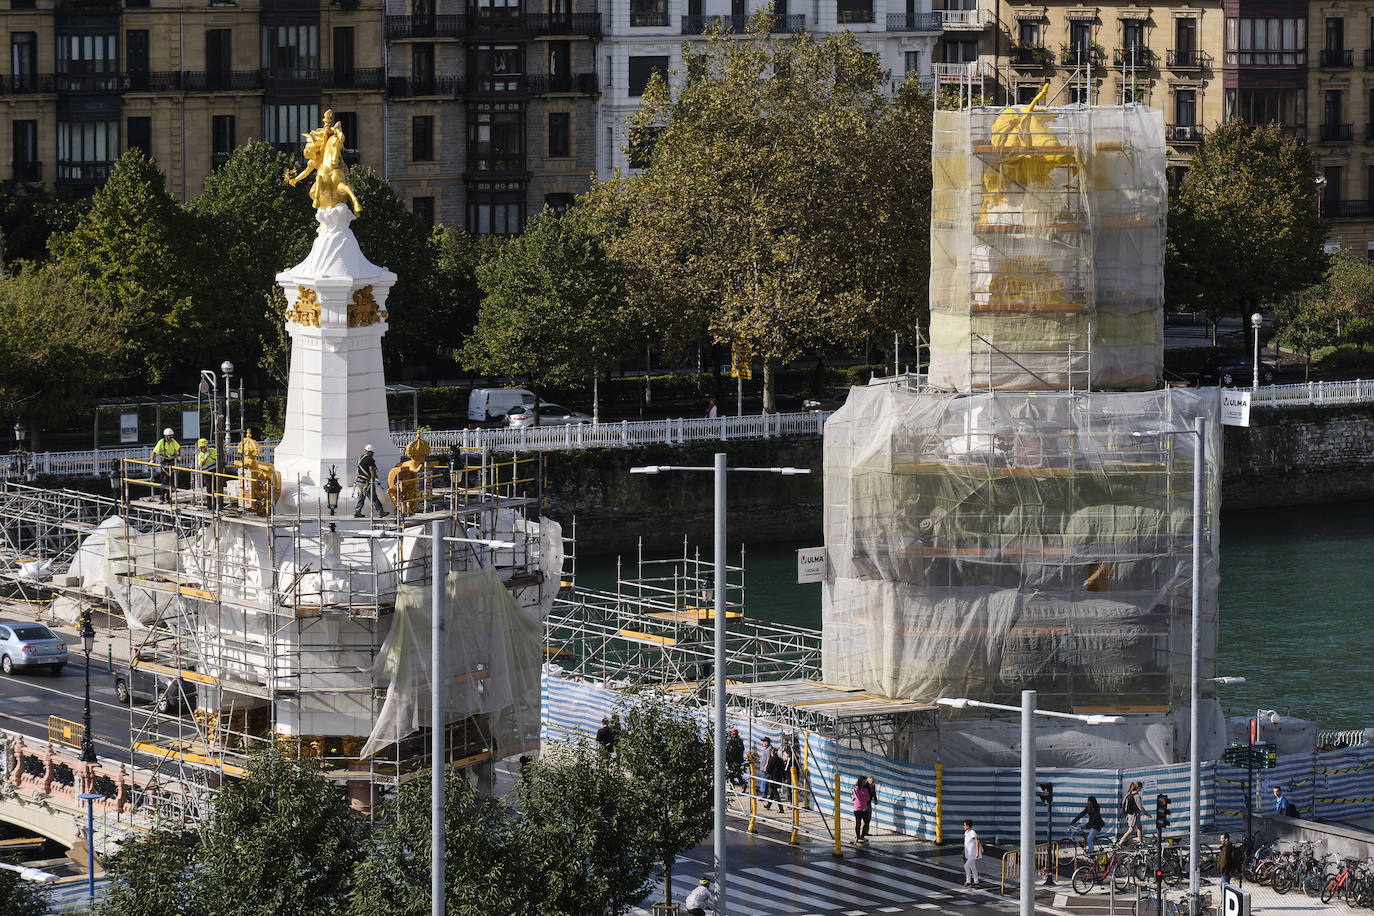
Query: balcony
x,y
402,27
964,20
571,83
236,80
564,23
1073,56
1182,134
402,88
370,78
24,83
1332,58
957,72
1188,59
854,15
1031,57
1336,133
650,18
1346,209
1138,56
495,84
155,81
493,24
89,82
914,22
792,22
83,173
26,170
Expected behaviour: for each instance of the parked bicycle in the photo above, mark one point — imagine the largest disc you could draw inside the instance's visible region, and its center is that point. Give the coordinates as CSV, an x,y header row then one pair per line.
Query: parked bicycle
x,y
1119,869
1147,904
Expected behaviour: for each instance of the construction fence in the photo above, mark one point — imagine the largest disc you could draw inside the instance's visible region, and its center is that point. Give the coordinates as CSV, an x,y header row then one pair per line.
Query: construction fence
x,y
1332,785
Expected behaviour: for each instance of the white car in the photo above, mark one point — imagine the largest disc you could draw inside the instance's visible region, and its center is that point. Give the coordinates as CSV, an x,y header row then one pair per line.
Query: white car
x,y
549,415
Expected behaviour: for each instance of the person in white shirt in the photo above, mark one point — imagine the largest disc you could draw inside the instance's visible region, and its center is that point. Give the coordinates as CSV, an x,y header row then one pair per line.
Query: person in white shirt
x,y
973,851
699,900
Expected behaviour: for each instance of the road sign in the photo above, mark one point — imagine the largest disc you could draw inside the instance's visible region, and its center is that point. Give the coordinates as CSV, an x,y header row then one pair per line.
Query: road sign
x,y
1251,756
1234,901
1235,407
741,356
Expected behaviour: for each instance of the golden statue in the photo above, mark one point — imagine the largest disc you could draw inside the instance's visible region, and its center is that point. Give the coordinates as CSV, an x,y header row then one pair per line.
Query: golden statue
x,y
259,482
1030,148
324,148
403,483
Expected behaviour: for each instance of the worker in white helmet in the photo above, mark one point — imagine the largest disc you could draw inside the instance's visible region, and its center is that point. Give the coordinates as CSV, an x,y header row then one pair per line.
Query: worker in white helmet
x,y
166,452
366,482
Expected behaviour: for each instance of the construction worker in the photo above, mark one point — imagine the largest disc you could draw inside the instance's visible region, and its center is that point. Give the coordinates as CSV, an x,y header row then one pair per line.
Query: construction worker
x,y
205,467
366,482
166,453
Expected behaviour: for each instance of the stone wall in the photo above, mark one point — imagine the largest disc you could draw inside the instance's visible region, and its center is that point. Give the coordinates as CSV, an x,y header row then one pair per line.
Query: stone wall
x,y
1296,456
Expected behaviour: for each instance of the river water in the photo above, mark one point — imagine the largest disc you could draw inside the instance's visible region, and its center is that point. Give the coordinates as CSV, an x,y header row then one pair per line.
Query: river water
x,y
1297,607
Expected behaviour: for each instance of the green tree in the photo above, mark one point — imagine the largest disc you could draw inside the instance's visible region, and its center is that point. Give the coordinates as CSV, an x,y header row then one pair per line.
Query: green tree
x,y
1349,289
553,309
786,200
29,215
256,225
281,840
1243,228
458,294
153,876
138,247
60,343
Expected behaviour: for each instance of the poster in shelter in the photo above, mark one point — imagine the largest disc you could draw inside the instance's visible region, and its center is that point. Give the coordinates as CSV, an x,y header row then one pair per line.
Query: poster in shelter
x,y
190,425
128,428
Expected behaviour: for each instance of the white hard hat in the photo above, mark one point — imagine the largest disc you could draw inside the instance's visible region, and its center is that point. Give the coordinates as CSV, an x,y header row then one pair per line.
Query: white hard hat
x,y
167,431
368,448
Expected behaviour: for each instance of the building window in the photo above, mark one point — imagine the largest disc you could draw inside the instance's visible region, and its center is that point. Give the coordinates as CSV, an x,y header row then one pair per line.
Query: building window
x,y
1185,107
560,135
136,57
1028,33
25,161
648,12
423,208
848,11
496,68
343,56
641,68
1335,34
87,62
221,139
422,139
22,4
958,52
291,51
86,149
422,69
283,125
1133,34
912,61
24,61
496,138
1080,95
1266,42
141,135
219,58
495,207
1331,193
1080,35
558,203
348,122
1026,94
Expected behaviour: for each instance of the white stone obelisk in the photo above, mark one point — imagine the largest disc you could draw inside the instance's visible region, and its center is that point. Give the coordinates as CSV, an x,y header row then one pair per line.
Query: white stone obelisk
x,y
336,398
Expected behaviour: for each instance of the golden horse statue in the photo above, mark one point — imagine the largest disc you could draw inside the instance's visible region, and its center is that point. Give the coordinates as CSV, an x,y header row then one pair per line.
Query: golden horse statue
x,y
259,481
410,480
324,148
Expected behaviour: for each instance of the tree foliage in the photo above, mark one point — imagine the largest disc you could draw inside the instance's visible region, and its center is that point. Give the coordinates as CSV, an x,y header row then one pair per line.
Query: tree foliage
x,y
1243,228
29,215
153,876
786,201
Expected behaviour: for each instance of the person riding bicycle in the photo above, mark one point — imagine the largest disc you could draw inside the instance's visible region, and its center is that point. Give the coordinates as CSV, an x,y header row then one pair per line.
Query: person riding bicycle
x,y
1091,815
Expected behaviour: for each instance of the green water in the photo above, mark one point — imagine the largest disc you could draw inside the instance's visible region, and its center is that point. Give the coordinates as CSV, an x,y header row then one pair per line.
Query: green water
x,y
1297,607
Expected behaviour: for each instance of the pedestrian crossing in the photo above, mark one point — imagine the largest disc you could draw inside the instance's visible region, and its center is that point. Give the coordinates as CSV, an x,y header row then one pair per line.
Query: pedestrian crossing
x,y
865,883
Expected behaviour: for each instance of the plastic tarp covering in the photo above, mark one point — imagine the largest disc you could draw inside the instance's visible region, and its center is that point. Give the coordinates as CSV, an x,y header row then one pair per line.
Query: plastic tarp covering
x,y
1047,248
983,544
491,652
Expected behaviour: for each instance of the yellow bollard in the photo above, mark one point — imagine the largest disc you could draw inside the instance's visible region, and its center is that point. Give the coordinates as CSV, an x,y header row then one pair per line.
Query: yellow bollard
x,y
753,798
939,803
839,827
796,812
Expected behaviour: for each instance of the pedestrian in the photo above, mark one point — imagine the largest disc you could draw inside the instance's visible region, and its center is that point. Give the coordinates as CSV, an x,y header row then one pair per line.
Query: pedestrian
x,y
1282,805
774,772
711,411
973,851
700,900
1093,824
165,453
1228,861
765,750
863,809
605,736
1133,808
366,482
734,757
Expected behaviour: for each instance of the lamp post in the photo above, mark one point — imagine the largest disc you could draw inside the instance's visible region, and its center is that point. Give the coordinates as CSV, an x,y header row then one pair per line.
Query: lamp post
x,y
1255,321
89,798
719,469
1320,181
226,369
332,489
87,643
1028,713
21,435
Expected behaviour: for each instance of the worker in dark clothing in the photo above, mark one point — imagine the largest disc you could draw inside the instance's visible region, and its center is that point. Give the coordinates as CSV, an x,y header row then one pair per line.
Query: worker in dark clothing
x,y
734,757
774,775
366,482
605,736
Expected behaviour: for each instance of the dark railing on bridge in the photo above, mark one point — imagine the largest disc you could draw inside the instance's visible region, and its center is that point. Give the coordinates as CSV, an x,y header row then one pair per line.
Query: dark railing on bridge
x,y
26,170
1337,133
1337,57
915,22
544,83
1187,59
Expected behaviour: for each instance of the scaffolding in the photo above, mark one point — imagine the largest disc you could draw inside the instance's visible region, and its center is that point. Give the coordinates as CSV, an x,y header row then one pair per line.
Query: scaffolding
x,y
279,624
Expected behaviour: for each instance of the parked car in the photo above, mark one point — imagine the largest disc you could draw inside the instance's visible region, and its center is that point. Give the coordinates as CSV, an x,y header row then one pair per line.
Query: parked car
x,y
549,415
1236,371
159,685
485,404
30,645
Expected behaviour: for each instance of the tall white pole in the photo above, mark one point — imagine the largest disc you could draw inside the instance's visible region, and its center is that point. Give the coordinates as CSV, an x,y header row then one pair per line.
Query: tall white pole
x,y
720,683
1195,760
438,748
1028,803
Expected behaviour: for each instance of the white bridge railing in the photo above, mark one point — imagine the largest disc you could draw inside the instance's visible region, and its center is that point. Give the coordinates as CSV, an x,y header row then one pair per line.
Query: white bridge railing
x,y
624,434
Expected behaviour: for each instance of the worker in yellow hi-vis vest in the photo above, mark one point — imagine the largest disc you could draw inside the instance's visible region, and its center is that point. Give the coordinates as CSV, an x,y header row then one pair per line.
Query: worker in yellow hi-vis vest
x,y
166,453
205,468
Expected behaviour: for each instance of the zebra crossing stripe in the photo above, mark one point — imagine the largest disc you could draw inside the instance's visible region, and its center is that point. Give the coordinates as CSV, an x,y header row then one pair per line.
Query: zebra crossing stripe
x,y
853,873
848,896
923,883
773,893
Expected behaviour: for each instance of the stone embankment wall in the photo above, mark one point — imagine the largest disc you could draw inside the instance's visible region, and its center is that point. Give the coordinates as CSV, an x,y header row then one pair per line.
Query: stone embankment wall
x,y
1291,456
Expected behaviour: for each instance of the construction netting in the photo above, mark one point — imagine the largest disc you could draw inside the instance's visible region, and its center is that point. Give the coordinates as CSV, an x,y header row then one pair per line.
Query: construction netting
x,y
1047,248
983,544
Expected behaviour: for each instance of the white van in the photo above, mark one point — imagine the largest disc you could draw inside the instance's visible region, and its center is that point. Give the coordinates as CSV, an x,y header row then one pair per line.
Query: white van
x,y
494,403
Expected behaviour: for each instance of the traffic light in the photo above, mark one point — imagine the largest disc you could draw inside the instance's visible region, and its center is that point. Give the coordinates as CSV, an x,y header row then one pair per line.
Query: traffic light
x,y
1161,812
1047,793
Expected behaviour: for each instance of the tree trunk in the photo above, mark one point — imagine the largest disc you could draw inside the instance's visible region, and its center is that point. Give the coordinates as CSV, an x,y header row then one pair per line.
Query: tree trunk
x,y
770,404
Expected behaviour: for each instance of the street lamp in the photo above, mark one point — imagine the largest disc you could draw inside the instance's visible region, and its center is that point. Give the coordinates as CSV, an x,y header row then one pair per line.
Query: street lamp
x,y
332,489
719,469
87,643
1320,182
21,435
89,798
1255,321
1028,713
226,369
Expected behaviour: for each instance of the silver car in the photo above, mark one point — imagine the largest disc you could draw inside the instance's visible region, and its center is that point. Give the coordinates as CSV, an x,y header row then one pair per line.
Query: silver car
x,y
30,645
